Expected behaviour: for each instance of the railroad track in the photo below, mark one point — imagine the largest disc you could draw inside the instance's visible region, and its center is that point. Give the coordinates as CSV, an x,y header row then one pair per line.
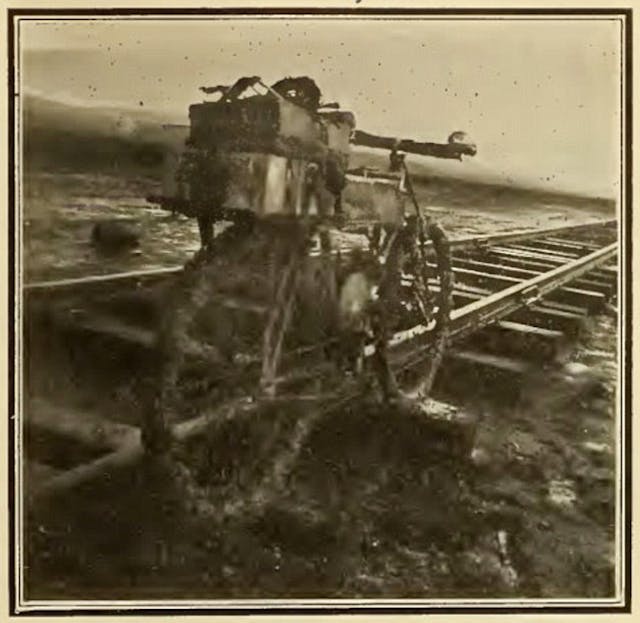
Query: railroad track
x,y
519,298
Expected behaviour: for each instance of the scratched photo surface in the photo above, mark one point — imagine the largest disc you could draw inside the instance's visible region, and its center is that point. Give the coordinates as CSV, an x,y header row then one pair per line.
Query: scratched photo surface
x,y
319,308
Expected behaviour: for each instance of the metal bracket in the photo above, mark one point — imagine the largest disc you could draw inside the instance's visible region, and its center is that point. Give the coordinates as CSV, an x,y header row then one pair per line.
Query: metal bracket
x,y
530,295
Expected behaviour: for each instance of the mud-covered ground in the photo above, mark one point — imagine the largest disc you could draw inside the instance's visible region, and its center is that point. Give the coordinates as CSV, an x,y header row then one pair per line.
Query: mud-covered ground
x,y
376,507
61,207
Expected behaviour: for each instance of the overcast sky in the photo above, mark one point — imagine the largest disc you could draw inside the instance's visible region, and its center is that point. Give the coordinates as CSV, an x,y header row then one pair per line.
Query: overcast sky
x,y
540,98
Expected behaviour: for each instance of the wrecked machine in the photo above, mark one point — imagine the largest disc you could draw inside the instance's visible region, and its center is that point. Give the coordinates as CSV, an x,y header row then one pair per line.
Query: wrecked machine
x,y
307,271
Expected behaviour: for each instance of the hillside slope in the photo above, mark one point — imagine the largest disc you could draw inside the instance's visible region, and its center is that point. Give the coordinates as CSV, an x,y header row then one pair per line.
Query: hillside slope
x,y
62,136
105,139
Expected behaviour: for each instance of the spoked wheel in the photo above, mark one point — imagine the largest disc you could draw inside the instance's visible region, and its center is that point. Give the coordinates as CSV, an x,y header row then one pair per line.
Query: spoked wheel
x,y
221,344
236,309
409,294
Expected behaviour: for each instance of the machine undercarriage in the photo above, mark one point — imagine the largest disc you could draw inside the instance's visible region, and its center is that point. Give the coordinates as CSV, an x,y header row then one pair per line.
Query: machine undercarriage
x,y
276,294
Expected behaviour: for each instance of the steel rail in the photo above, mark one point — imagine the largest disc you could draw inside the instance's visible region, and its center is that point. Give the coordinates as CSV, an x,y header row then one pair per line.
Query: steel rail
x,y
464,321
160,273
478,314
505,302
523,234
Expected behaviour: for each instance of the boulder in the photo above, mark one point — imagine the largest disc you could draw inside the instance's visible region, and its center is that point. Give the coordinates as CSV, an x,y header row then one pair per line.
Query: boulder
x,y
114,236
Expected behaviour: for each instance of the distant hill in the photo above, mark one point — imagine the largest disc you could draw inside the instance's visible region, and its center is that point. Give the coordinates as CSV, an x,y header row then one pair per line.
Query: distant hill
x,y
63,136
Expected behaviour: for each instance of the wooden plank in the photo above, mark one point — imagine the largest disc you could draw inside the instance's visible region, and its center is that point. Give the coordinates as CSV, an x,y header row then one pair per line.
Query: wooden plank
x,y
482,278
463,297
565,255
479,358
590,299
84,427
517,262
552,319
573,296
577,244
530,329
527,262
518,340
565,307
528,254
496,268
560,247
608,269
113,328
526,234
596,285
101,468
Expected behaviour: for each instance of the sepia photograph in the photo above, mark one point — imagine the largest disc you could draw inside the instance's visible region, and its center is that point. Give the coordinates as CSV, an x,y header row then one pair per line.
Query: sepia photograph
x,y
319,310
